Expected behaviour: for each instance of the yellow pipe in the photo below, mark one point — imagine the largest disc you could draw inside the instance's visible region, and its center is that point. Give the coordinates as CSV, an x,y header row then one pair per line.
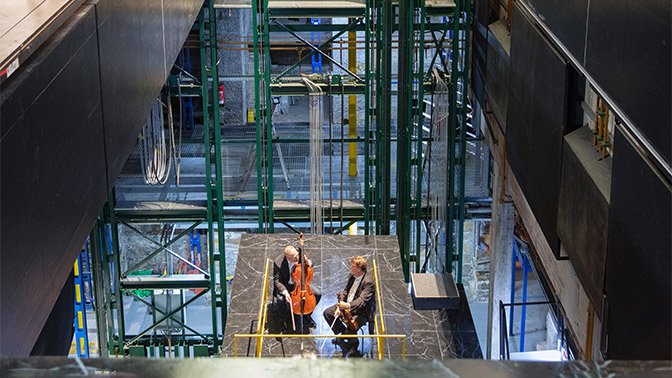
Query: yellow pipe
x,y
589,332
597,121
381,342
264,297
605,131
352,106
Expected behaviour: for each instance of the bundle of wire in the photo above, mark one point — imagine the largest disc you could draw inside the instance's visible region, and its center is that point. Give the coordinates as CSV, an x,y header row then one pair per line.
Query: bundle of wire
x,y
155,157
316,153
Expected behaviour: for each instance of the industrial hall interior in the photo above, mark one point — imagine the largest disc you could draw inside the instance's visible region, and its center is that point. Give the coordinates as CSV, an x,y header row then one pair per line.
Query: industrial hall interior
x,y
377,187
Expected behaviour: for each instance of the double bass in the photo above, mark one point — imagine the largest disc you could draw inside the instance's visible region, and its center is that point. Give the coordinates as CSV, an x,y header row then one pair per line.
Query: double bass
x,y
303,297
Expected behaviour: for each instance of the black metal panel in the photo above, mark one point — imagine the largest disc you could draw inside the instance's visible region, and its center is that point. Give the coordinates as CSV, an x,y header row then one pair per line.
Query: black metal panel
x,y
53,175
135,65
479,48
536,121
56,336
629,55
567,20
638,282
498,72
583,211
179,16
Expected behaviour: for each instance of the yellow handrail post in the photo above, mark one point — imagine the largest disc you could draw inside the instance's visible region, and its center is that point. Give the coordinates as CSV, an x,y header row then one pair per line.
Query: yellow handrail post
x,y
381,342
262,309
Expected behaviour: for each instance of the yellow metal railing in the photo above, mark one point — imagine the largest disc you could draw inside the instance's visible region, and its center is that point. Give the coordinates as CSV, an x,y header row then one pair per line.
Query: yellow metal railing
x,y
263,308
380,354
380,332
379,313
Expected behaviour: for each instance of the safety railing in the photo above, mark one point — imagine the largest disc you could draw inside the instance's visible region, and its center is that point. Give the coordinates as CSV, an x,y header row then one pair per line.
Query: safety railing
x,y
379,322
258,336
505,332
263,310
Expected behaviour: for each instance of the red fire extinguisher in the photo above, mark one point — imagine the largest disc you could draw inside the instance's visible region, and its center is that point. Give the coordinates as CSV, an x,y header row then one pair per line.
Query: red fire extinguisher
x,y
221,95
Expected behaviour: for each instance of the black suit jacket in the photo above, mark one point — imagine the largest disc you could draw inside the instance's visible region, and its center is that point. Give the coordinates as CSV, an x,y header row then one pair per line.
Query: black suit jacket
x,y
281,275
364,302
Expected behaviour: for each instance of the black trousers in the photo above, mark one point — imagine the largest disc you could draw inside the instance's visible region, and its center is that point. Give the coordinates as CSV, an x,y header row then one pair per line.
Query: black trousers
x,y
339,327
284,311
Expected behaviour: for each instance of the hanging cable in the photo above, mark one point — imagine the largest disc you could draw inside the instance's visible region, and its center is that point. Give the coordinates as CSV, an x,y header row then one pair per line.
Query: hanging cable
x,y
154,159
316,154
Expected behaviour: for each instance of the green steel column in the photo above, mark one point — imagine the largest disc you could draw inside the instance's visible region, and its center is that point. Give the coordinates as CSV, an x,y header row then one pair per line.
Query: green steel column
x,y
261,203
383,124
368,14
466,29
99,292
452,129
118,298
269,134
404,121
219,213
208,173
378,118
420,77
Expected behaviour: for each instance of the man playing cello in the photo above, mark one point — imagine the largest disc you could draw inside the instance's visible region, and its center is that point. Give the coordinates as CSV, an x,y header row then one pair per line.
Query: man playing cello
x,y
283,285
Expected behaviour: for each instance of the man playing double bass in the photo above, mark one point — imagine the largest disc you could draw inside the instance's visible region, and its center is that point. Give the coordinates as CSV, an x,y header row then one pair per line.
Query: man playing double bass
x,y
358,298
283,285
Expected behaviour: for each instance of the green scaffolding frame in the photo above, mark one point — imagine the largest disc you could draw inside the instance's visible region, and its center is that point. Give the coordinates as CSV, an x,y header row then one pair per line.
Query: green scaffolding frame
x,y
378,23
108,285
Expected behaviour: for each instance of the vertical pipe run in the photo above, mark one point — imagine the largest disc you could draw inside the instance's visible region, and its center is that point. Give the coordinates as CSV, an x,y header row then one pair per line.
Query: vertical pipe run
x,y
99,293
208,171
383,123
466,8
404,104
257,111
523,312
367,114
419,78
352,105
452,129
118,298
269,136
219,203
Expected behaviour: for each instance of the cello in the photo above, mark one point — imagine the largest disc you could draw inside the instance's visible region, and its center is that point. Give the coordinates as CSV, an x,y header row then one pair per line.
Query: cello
x,y
303,297
347,317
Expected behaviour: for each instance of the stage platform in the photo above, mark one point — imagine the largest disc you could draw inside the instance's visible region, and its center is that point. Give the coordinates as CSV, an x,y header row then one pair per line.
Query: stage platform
x,y
430,334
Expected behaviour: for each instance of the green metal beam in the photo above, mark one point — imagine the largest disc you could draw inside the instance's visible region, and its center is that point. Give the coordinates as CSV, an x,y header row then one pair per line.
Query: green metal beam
x,y
404,124
299,89
321,12
367,115
466,10
219,202
261,192
268,115
384,118
420,119
316,28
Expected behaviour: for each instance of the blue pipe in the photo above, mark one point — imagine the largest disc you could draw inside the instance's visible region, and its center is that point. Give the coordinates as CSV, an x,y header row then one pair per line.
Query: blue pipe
x,y
522,316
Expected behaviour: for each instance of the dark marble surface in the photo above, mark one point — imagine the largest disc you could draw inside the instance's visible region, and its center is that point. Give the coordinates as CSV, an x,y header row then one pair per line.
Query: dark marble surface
x,y
430,334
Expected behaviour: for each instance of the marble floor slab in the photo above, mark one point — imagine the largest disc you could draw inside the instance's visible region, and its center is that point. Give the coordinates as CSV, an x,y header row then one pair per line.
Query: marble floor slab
x,y
429,334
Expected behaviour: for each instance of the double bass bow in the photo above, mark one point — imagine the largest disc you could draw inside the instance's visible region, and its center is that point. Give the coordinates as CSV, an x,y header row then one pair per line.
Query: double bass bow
x,y
303,297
